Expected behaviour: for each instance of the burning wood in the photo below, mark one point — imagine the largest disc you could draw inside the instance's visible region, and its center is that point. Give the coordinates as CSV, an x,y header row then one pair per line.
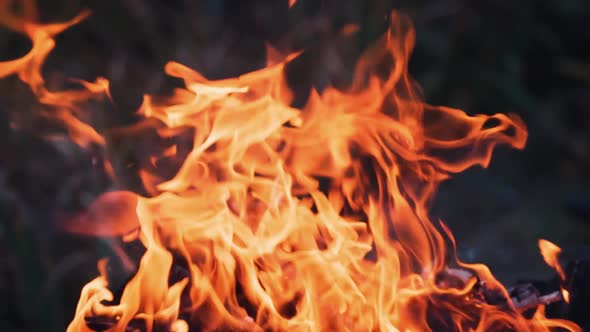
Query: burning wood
x,y
522,296
284,218
527,297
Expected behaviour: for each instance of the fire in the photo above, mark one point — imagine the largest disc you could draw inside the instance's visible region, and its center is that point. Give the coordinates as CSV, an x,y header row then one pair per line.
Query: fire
x,y
566,295
550,253
287,219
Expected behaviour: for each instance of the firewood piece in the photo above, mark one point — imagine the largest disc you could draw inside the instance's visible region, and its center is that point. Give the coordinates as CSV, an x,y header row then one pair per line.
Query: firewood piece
x,y
523,296
533,300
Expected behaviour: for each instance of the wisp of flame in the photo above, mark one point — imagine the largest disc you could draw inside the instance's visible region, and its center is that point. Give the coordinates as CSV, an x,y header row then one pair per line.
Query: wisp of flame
x,y
284,218
550,253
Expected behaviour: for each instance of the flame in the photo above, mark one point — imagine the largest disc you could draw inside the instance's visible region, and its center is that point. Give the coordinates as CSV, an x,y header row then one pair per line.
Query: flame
x,y
287,219
550,253
110,215
566,295
559,324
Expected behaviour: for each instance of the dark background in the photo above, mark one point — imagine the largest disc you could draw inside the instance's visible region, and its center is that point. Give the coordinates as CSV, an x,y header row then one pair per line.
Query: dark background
x,y
527,57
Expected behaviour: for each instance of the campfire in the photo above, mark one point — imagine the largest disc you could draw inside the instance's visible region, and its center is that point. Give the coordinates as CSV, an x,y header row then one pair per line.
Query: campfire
x,y
278,218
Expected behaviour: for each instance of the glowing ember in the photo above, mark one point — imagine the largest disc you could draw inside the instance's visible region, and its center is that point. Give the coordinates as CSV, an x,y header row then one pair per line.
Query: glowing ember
x,y
288,219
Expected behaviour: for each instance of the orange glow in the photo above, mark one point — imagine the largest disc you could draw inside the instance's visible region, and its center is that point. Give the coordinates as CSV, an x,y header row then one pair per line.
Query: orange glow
x,y
550,253
555,323
111,214
288,219
349,29
566,295
292,3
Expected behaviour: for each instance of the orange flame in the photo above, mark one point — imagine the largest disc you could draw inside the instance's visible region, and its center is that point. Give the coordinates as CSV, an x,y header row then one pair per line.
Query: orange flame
x,y
288,219
566,295
550,253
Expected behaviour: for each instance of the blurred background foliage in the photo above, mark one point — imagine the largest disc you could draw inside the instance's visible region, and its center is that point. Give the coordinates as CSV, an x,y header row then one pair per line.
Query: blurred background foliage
x,y
530,57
